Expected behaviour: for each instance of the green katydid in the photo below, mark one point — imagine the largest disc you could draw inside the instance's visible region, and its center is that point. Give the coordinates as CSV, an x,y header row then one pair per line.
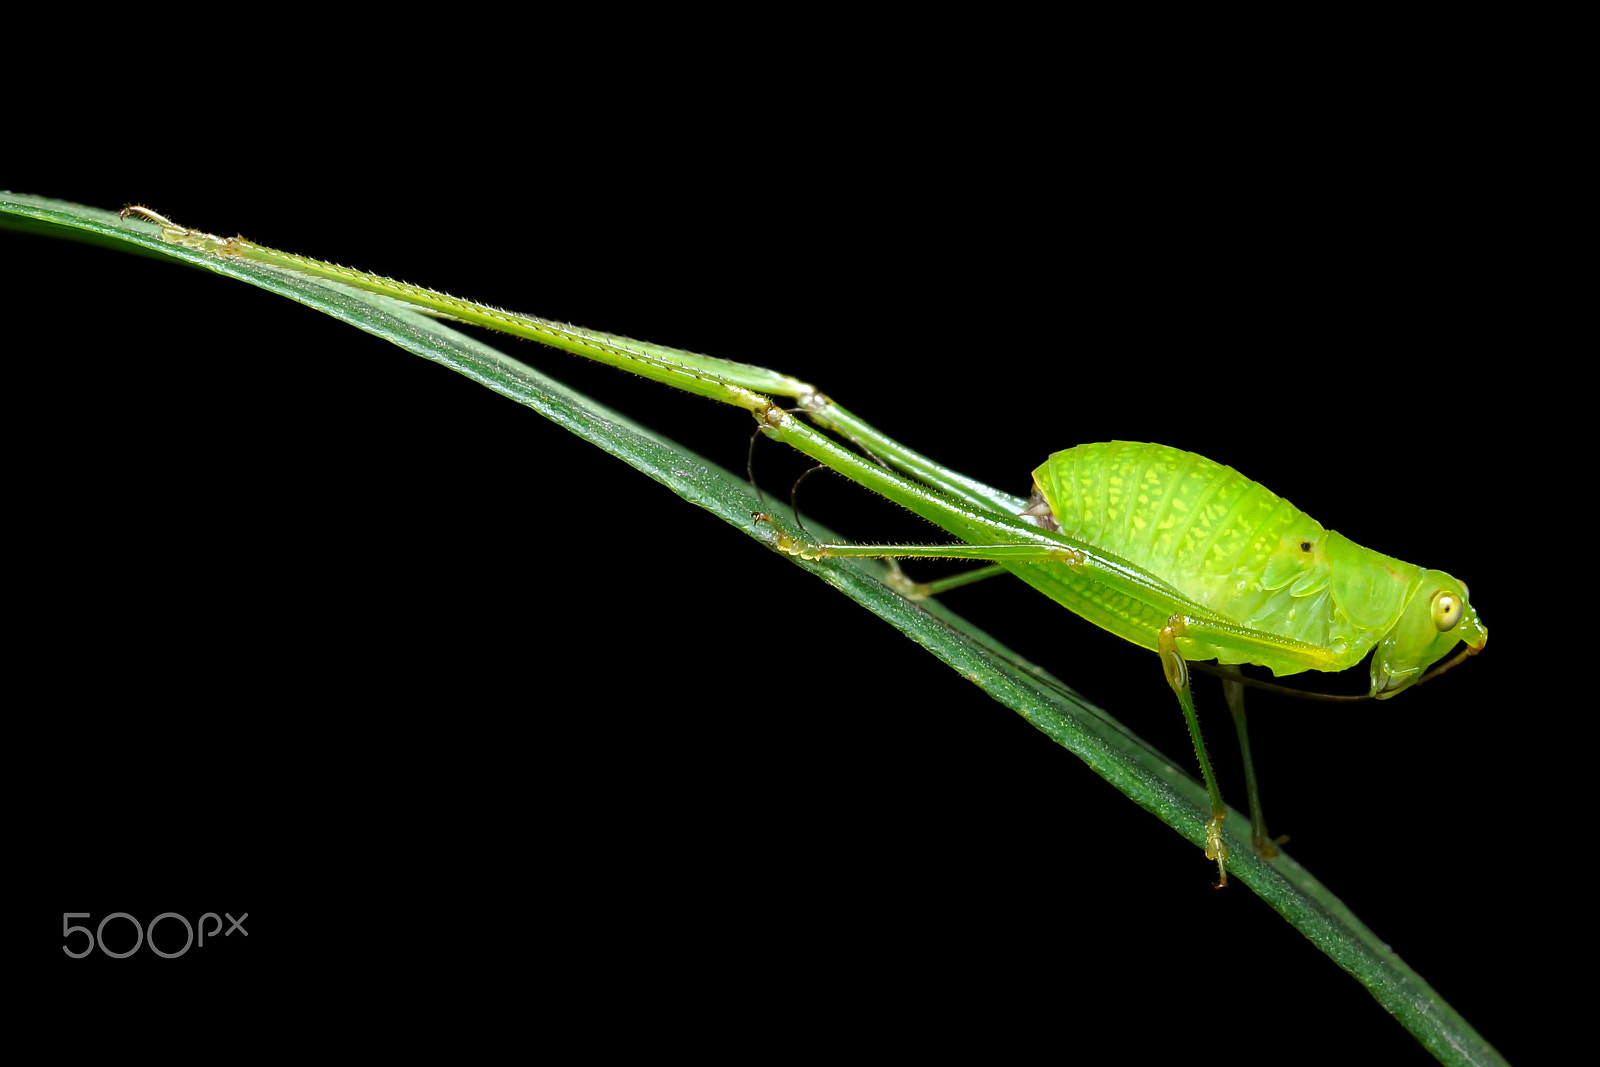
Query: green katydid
x,y
1168,550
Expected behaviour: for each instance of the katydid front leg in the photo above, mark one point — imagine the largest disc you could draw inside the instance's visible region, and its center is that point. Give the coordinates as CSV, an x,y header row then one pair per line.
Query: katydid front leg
x,y
1177,671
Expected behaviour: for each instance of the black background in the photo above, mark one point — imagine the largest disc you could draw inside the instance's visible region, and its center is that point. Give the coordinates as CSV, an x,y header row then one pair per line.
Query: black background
x,y
460,710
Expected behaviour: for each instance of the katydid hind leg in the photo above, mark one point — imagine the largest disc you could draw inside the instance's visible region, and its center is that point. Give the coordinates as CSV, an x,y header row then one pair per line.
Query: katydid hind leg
x,y
1233,691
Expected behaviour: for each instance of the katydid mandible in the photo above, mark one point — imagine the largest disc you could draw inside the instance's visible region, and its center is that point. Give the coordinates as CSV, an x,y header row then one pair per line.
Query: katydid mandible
x,y
1164,548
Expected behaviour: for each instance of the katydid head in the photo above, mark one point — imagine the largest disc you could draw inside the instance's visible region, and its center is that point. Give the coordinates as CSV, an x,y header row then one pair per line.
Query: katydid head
x,y
1437,615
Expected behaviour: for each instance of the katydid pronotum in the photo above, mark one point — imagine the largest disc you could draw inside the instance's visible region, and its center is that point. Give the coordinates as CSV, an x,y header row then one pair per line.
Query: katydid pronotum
x,y
1164,548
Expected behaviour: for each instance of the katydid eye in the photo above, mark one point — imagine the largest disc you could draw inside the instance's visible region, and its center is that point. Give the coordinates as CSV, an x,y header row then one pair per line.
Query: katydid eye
x,y
1446,611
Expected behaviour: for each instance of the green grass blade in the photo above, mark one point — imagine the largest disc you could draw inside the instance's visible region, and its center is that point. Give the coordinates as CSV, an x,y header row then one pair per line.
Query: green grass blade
x,y
1143,774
